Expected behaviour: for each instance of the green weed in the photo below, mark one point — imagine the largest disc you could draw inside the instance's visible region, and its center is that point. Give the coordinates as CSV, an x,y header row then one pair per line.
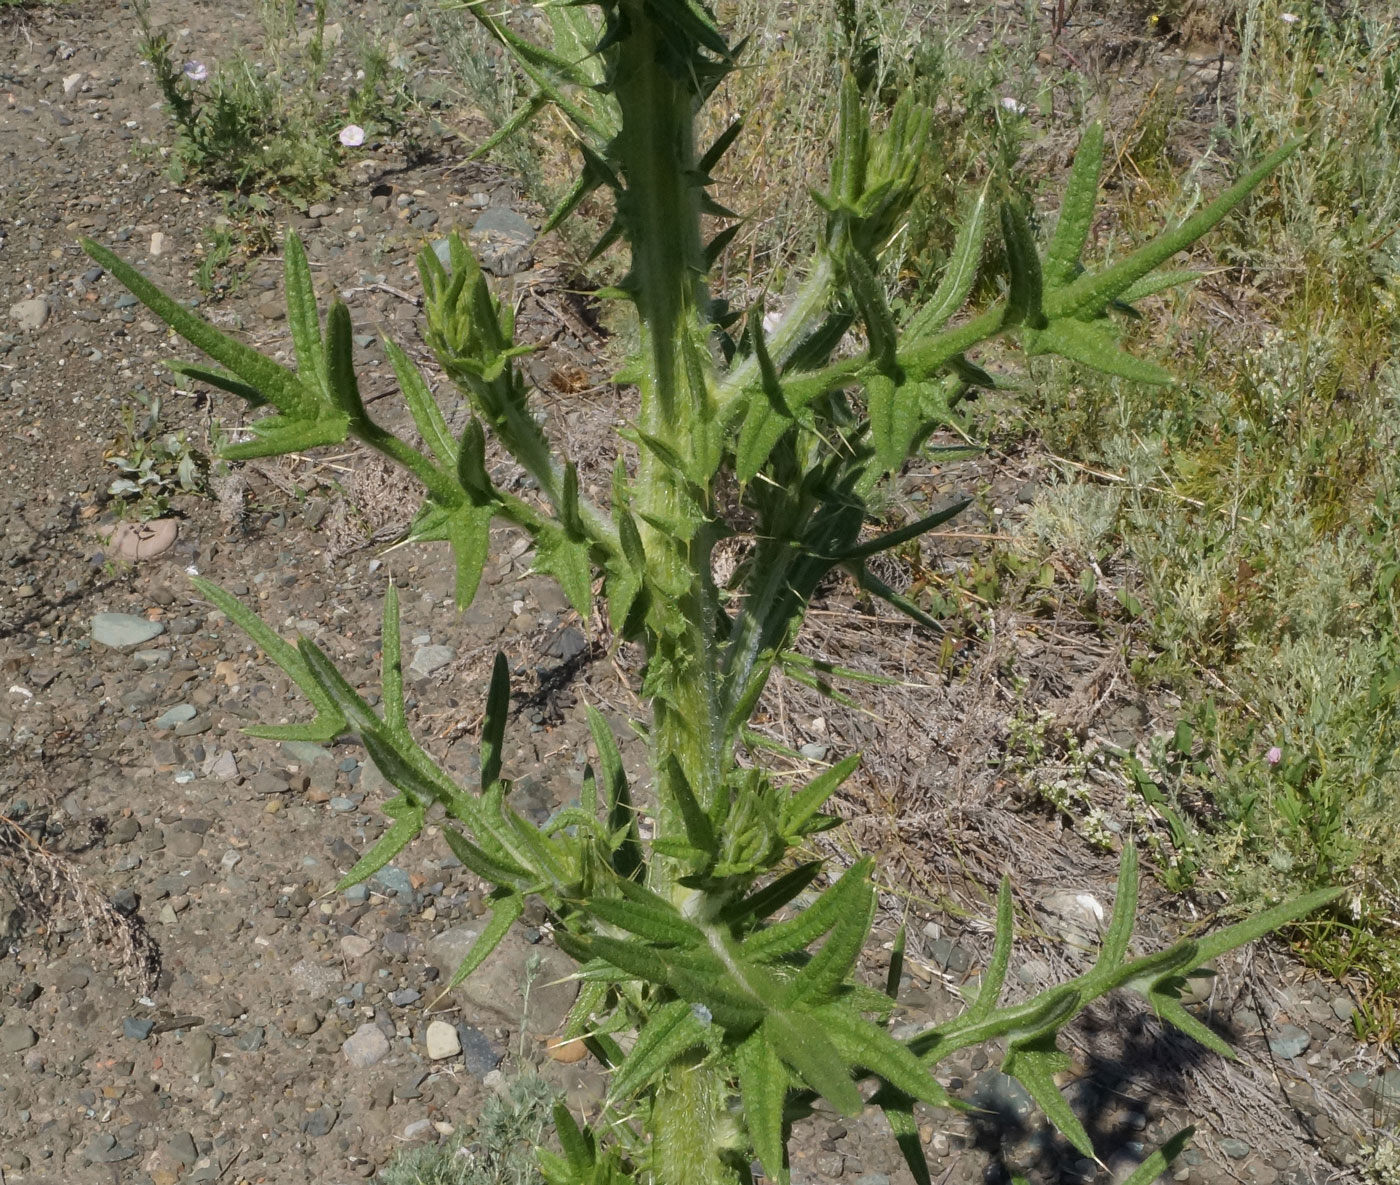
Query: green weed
x,y
274,126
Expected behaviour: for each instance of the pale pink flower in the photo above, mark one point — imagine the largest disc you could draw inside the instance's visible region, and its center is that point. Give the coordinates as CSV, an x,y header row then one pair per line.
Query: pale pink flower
x,y
1289,18
1013,105
352,135
196,71
1274,755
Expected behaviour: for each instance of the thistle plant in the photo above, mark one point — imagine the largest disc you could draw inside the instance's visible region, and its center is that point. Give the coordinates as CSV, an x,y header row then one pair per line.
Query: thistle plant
x,y
724,1007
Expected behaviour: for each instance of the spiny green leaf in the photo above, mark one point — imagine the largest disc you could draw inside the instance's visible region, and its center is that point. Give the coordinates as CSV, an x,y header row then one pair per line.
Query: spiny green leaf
x,y
330,721
1076,211
958,276
275,383
408,822
489,867
898,1109
903,534
567,561
1091,293
427,415
1170,1009
798,933
670,1031
807,1049
391,665
1024,300
217,377
277,436
344,387
657,923
578,1146
303,318
469,533
832,965
1120,930
763,1086
1151,285
1034,1063
869,582
699,831
359,714
813,796
772,897
995,974
864,1044
1214,945
1151,1169
1094,345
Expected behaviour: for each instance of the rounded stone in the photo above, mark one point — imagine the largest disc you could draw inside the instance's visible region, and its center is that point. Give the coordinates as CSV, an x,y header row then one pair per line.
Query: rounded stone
x,y
443,1041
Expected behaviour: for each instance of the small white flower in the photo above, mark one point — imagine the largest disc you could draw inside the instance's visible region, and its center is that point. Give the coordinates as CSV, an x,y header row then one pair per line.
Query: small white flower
x,y
1013,105
196,71
352,135
1289,18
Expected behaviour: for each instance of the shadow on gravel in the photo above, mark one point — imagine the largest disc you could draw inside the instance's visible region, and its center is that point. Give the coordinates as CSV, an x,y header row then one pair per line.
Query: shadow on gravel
x,y
1132,1074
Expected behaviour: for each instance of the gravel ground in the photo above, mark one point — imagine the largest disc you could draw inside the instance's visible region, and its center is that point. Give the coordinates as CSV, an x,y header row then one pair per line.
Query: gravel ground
x,y
183,997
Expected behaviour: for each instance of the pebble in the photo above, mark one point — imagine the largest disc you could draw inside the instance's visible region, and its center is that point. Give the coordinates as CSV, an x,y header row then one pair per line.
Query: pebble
x,y
144,541
124,631
174,716
393,880
15,1038
367,1046
428,659
30,314
1290,1041
104,1149
320,1121
355,947
1234,1149
443,1041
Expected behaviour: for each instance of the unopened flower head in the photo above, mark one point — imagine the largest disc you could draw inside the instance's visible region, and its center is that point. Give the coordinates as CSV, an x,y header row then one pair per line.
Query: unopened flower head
x,y
196,71
1274,755
352,135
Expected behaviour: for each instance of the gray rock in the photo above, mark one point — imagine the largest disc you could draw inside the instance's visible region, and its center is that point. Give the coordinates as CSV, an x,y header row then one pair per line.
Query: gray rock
x,y
305,753
393,880
1235,1149
137,1028
1001,1094
1289,1041
314,979
404,997
496,989
104,1149
16,1038
320,1121
366,1046
479,1055
173,716
182,1147
501,239
30,315
428,659
124,631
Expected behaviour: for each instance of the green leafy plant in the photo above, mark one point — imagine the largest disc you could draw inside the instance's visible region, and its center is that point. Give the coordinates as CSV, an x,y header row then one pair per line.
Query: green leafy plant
x,y
252,127
152,466
722,1009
